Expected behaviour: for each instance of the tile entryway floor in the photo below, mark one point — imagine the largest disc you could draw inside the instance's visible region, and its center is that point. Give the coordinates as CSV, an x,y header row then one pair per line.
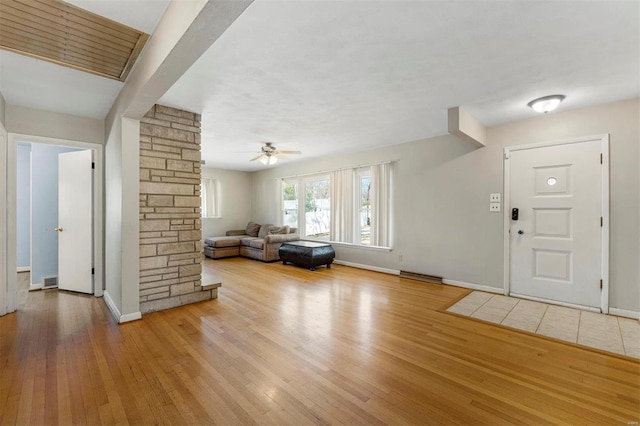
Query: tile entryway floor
x,y
605,332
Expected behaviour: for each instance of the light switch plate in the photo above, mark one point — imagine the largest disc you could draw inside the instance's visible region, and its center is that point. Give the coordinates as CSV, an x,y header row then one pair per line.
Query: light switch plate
x,y
494,207
495,197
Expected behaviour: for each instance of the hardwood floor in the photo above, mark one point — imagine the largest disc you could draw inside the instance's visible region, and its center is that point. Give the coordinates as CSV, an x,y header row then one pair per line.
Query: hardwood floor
x,y
283,345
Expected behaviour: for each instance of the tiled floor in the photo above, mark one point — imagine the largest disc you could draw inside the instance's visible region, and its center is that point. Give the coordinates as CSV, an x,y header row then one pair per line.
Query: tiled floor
x,y
606,332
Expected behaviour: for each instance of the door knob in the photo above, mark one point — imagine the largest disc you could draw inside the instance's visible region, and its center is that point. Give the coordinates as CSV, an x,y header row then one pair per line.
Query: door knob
x,y
58,229
520,231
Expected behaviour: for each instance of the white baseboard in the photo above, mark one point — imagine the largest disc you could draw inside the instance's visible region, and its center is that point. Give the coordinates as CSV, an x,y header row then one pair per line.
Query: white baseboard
x,y
613,311
624,313
130,317
444,281
112,306
37,286
368,267
23,269
116,312
474,286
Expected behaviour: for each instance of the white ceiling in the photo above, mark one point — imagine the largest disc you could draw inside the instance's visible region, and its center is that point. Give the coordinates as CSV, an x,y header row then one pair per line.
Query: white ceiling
x,y
341,76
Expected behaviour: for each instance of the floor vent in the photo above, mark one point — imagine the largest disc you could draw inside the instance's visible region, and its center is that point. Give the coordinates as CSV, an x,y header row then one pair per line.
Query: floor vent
x,y
49,282
421,277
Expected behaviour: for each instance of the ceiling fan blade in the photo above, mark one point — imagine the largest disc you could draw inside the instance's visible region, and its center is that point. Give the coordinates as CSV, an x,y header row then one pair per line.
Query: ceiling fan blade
x,y
290,152
256,157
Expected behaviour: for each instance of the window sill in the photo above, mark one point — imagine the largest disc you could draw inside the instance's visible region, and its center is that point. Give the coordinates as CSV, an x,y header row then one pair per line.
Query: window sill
x,y
350,245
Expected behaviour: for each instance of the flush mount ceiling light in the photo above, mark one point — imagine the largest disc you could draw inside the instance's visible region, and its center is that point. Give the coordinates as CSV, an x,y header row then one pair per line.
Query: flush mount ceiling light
x,y
546,104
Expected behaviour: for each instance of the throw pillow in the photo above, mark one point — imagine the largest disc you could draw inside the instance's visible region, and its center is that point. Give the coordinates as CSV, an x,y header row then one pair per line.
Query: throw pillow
x,y
252,229
264,230
279,229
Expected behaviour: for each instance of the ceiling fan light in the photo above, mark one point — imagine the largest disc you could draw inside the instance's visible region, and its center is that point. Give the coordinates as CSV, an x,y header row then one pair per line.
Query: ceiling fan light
x,y
264,159
546,104
273,160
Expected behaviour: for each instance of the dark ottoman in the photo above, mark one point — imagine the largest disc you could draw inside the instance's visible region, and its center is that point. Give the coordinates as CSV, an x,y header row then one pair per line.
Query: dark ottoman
x,y
307,254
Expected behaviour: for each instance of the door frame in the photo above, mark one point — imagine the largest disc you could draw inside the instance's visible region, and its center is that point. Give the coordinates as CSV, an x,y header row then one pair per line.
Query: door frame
x,y
604,146
4,284
11,161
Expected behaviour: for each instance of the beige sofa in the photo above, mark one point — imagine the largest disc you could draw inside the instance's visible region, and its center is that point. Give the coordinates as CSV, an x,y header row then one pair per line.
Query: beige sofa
x,y
256,241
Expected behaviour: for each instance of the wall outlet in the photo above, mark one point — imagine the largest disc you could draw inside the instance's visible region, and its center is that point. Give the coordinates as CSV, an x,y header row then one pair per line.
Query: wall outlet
x,y
495,197
494,207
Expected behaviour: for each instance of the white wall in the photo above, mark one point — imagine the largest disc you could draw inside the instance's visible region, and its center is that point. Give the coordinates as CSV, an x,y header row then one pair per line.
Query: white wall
x,y
113,212
442,186
29,121
3,107
122,189
234,201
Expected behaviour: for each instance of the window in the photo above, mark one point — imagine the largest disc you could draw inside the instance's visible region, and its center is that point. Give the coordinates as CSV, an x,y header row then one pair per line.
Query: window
x,y
364,203
209,206
290,204
351,206
317,217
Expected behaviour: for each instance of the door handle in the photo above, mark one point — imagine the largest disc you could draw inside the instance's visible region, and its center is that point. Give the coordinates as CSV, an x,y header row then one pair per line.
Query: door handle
x,y
58,229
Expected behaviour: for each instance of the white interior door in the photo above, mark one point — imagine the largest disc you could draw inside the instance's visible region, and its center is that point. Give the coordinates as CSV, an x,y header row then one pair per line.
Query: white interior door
x,y
75,221
556,242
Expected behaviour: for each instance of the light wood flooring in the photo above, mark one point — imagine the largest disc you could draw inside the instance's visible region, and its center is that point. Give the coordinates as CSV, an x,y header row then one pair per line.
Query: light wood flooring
x,y
283,345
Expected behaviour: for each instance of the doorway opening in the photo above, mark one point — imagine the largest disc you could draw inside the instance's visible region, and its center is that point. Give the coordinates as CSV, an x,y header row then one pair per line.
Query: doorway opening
x,y
41,239
38,196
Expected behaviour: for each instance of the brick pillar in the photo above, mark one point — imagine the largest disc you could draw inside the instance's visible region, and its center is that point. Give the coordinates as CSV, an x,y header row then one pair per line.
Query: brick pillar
x,y
170,228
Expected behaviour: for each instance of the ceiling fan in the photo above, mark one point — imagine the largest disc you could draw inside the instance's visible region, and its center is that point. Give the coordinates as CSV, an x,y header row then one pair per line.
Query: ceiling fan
x,y
269,154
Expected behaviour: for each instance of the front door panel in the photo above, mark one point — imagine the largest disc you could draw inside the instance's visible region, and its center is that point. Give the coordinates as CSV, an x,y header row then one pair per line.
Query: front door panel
x,y
556,242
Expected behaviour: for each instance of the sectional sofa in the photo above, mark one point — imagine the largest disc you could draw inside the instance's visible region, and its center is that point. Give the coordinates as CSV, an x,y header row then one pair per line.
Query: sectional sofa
x,y
260,242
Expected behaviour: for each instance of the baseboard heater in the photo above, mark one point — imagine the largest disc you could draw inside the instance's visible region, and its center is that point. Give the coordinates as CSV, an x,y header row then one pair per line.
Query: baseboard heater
x,y
421,277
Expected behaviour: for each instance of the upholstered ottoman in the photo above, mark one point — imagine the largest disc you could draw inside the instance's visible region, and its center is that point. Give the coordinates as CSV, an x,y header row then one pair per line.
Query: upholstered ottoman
x,y
219,247
307,254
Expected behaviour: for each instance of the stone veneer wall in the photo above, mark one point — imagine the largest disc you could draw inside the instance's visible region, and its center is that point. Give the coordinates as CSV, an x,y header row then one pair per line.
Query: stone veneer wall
x,y
170,226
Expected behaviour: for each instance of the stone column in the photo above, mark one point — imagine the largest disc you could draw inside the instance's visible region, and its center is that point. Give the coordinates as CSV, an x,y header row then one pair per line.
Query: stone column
x,y
170,227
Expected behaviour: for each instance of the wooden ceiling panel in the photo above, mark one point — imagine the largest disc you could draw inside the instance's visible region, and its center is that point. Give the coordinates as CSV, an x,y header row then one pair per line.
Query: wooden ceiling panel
x,y
67,35
15,31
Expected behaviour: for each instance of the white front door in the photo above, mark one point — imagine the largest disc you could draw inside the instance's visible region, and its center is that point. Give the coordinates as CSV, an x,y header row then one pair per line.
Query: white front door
x,y
75,221
556,240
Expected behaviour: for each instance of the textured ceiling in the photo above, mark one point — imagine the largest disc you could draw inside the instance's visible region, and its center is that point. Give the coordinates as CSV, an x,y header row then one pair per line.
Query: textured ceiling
x,y
341,76
338,76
